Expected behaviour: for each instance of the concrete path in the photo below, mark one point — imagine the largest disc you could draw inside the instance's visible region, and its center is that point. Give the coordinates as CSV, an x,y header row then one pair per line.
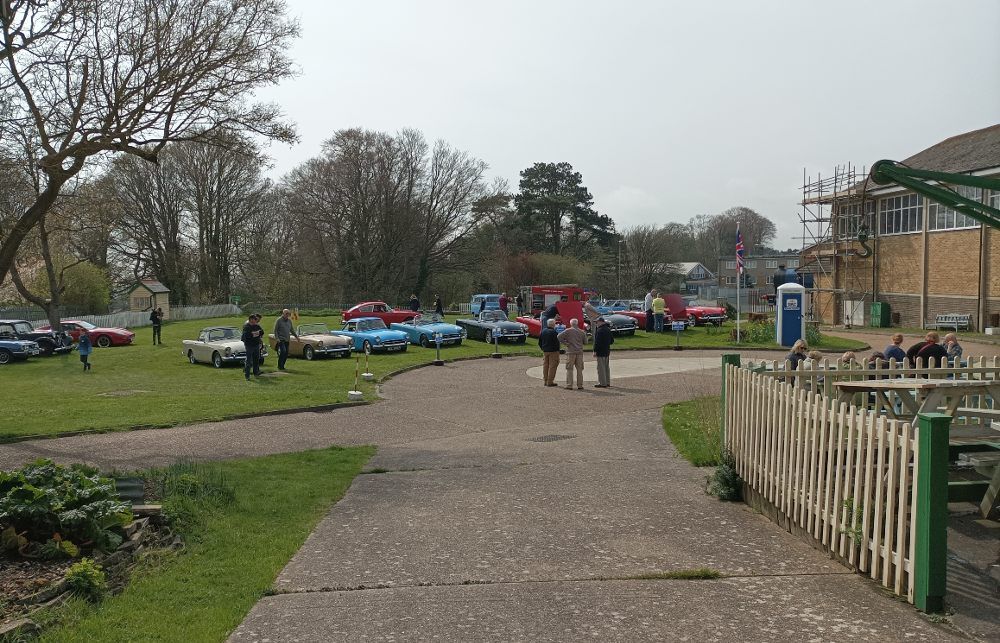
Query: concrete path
x,y
497,508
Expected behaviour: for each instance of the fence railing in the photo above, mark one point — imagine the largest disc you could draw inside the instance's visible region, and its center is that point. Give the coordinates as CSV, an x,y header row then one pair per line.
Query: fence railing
x,y
135,319
841,475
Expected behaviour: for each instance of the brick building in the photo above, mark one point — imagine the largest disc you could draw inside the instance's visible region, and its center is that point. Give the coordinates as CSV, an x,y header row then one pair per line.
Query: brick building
x,y
920,258
759,269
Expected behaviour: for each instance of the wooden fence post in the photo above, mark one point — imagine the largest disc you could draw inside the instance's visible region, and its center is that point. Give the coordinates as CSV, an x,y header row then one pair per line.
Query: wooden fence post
x,y
931,552
727,358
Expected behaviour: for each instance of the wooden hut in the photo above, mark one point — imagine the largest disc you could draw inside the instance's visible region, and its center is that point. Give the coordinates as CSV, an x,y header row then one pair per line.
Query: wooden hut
x,y
148,294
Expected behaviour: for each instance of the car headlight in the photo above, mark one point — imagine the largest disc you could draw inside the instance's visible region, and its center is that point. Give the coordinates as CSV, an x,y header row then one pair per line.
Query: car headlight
x,y
465,333
378,339
524,328
320,343
229,351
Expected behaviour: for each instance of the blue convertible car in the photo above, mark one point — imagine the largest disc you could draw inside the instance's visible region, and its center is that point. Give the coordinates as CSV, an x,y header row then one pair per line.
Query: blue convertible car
x,y
370,335
12,349
422,331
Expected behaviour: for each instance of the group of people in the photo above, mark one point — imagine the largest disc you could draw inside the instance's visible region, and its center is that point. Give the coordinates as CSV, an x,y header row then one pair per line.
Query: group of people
x,y
656,308
572,340
931,352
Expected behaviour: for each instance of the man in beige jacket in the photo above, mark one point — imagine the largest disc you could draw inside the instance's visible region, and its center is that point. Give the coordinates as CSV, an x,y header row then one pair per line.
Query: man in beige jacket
x,y
573,339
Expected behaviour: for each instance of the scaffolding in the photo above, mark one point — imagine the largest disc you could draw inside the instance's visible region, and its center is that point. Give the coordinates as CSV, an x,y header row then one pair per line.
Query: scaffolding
x,y
836,219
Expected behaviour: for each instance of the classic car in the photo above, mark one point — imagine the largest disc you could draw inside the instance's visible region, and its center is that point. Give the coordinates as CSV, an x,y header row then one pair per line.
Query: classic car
x,y
378,309
610,306
700,315
534,325
621,324
492,303
219,345
371,335
314,340
99,336
423,331
491,324
14,349
49,342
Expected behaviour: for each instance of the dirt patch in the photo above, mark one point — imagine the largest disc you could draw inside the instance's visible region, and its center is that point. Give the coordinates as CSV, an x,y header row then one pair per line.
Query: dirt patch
x,y
20,579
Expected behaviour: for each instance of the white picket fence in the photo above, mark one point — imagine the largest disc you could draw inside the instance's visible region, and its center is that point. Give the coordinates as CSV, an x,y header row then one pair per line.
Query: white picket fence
x,y
842,474
131,319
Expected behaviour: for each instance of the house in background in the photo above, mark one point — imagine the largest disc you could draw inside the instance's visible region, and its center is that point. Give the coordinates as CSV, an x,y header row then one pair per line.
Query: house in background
x,y
694,276
889,245
148,294
759,269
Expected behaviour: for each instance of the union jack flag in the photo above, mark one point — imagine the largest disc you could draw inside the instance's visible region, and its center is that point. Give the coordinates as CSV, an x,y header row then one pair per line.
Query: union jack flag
x,y
739,250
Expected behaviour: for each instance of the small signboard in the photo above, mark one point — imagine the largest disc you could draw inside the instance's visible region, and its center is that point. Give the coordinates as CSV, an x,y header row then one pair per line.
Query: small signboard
x,y
791,303
677,325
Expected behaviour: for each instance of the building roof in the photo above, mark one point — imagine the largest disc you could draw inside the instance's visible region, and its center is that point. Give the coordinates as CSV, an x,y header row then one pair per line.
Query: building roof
x,y
151,285
687,267
976,150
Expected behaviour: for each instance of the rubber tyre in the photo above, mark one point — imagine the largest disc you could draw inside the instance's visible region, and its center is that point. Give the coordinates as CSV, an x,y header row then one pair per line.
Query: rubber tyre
x,y
216,360
424,341
522,340
46,348
630,333
366,347
308,352
104,341
6,357
191,357
488,337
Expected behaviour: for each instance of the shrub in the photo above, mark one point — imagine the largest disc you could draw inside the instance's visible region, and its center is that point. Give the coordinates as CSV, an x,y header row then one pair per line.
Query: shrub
x,y
45,501
725,483
86,578
730,311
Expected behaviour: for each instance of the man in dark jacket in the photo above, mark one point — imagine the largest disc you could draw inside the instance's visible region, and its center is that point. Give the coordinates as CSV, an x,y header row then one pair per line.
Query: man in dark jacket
x,y
602,351
438,308
414,303
283,332
548,341
549,313
156,318
252,337
928,351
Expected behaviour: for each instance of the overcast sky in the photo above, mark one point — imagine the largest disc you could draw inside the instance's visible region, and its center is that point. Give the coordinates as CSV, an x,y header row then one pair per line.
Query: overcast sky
x,y
668,109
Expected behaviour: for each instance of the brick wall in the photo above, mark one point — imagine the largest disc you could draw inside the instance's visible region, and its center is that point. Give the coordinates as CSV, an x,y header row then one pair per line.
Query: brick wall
x,y
953,263
899,260
958,305
908,307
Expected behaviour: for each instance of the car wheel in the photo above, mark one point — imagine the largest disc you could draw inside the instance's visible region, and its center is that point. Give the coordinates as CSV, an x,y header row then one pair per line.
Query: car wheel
x,y
191,357
5,356
263,354
630,333
104,341
367,347
216,360
308,352
46,348
717,323
424,341
692,320
522,340
458,343
488,337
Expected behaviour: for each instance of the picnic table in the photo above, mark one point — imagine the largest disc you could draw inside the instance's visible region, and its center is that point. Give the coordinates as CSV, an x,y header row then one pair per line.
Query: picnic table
x,y
919,395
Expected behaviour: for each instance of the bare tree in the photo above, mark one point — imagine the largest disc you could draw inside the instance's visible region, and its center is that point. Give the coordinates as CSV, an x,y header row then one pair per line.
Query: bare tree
x,y
85,78
647,260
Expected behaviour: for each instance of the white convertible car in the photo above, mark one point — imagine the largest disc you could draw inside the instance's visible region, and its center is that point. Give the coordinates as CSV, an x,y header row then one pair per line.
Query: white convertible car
x,y
219,345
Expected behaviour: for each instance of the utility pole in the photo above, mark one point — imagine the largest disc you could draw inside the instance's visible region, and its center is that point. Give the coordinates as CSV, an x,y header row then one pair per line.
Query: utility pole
x,y
620,267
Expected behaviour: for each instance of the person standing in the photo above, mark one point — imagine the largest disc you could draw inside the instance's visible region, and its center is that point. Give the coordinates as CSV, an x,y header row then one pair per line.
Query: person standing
x,y
252,337
659,306
549,313
438,308
573,339
548,341
895,350
504,302
647,305
414,303
482,306
602,351
519,302
156,317
283,331
85,348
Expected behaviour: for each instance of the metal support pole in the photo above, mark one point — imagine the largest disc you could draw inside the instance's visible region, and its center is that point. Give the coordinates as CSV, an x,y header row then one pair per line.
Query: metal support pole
x,y
727,359
931,556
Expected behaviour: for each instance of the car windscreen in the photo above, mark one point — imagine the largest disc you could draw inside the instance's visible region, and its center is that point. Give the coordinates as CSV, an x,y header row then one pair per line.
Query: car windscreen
x,y
86,325
220,334
313,329
493,316
7,330
23,327
371,324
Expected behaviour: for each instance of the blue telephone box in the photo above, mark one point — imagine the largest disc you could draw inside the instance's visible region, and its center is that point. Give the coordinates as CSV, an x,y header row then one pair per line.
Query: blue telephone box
x,y
790,318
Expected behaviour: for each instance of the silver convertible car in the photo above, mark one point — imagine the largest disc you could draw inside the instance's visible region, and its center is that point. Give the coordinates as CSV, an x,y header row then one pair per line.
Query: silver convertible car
x,y
219,345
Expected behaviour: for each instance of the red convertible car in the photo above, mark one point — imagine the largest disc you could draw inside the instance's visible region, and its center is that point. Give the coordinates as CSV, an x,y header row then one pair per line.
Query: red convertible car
x,y
102,337
381,310
701,315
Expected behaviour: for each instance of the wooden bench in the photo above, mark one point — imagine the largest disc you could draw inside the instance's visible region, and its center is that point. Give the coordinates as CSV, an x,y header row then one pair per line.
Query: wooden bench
x,y
954,321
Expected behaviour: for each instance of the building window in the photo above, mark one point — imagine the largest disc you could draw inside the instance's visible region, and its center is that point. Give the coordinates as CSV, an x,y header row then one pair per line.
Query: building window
x,y
995,199
751,264
730,280
142,303
793,263
940,217
771,263
850,218
731,265
900,214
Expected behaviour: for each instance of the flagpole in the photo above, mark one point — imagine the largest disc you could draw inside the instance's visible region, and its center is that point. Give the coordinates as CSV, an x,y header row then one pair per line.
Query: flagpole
x,y
739,278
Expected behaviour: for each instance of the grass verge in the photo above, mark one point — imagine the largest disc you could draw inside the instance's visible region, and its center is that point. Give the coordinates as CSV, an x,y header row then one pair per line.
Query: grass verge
x,y
693,427
154,386
233,552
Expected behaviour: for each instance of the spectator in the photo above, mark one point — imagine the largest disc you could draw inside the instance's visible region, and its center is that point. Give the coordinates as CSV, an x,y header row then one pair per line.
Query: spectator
x,y
283,331
549,313
602,352
953,347
574,339
928,351
848,359
590,312
647,305
797,354
156,317
482,306
895,350
438,308
85,348
548,341
519,302
659,306
414,303
877,359
252,337
812,360
503,302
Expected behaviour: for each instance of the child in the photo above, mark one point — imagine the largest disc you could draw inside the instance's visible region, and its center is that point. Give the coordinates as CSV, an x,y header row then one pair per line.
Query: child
x,y
85,348
953,347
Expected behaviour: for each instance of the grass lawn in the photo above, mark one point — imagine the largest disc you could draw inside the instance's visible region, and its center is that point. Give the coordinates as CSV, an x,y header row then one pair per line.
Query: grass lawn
x,y
231,558
146,385
693,427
